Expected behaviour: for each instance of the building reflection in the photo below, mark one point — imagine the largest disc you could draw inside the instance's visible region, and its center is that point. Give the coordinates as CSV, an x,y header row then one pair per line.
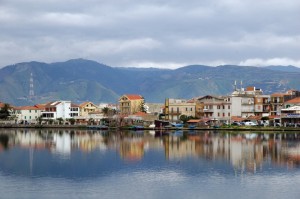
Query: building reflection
x,y
246,152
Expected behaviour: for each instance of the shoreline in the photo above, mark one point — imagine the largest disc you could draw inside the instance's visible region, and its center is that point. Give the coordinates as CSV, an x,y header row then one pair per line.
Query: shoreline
x,y
89,127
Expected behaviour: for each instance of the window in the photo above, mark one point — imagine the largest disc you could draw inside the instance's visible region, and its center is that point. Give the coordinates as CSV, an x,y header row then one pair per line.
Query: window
x,y
29,117
228,114
29,111
218,107
191,109
228,106
186,109
218,114
223,106
223,114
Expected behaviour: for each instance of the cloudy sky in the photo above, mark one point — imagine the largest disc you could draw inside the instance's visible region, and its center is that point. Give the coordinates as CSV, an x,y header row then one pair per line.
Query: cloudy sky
x,y
151,33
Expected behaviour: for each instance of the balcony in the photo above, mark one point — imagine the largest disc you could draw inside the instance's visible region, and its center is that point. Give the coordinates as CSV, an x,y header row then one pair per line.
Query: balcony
x,y
174,113
208,110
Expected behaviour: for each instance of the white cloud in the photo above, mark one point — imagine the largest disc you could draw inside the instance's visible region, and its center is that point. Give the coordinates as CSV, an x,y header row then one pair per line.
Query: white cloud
x,y
270,62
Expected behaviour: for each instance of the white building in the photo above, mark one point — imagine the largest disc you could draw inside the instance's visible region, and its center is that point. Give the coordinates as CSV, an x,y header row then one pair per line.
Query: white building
x,y
29,114
60,109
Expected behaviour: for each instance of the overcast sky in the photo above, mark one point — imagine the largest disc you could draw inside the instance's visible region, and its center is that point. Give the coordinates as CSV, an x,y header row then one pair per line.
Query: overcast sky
x,y
151,33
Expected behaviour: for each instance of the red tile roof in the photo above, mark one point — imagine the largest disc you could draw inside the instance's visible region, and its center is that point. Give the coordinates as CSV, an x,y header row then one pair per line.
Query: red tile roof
x,y
250,88
140,114
26,108
253,117
40,106
194,121
237,118
134,97
278,94
293,101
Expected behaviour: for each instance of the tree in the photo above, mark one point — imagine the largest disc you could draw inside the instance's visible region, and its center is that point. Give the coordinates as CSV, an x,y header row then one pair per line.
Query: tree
x,y
60,120
105,111
72,121
5,111
185,118
143,106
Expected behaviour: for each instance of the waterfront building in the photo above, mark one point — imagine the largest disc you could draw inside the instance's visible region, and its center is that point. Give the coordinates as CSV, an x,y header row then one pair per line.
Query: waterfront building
x,y
290,116
60,109
26,114
216,108
249,102
130,104
154,108
174,108
86,108
278,99
292,102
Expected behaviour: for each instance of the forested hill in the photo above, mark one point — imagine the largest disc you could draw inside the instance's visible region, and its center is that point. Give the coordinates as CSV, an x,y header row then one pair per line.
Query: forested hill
x,y
85,80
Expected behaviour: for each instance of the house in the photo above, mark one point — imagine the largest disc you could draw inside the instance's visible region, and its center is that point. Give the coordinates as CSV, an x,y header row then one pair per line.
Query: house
x,y
174,108
278,100
28,114
290,115
60,109
292,102
249,102
86,108
130,104
213,107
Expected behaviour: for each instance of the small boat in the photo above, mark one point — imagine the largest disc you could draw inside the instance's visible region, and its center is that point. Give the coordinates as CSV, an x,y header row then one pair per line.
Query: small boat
x,y
177,125
98,127
152,126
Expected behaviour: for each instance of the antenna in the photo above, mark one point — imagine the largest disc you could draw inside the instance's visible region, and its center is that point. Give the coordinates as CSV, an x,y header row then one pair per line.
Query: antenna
x,y
234,85
31,92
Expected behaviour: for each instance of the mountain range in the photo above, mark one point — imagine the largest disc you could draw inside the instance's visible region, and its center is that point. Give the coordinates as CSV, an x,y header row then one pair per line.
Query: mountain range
x,y
81,80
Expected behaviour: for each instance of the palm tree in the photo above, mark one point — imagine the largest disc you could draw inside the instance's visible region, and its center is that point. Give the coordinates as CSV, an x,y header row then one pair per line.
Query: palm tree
x,y
105,111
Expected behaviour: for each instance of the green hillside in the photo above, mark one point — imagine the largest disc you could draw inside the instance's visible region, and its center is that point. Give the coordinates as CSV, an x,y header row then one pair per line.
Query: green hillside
x,y
84,80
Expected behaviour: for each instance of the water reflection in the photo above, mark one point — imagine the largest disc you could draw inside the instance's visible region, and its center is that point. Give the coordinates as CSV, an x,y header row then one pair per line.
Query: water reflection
x,y
245,152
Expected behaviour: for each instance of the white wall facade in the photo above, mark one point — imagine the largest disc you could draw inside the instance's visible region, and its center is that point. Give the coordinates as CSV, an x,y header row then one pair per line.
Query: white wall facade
x,y
30,115
236,109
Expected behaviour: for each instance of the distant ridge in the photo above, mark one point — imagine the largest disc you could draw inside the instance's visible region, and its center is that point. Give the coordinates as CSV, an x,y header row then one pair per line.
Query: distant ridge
x,y
86,80
284,68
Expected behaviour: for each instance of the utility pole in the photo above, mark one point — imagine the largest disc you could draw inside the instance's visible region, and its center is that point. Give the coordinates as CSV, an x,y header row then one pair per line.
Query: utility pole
x,y
31,92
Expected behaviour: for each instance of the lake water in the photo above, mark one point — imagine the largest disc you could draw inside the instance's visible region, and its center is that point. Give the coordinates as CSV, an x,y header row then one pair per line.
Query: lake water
x,y
146,164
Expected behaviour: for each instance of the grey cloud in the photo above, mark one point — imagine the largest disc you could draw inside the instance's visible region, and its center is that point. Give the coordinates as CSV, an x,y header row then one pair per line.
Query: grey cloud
x,y
123,32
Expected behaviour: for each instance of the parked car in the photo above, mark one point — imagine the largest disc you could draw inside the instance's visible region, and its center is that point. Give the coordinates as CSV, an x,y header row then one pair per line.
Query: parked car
x,y
250,124
236,124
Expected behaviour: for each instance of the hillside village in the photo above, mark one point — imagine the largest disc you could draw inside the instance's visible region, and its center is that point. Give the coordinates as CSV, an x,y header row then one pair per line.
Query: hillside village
x,y
244,104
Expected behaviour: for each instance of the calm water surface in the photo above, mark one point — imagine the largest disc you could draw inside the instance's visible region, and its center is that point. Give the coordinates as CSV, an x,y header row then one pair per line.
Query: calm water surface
x,y
101,164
